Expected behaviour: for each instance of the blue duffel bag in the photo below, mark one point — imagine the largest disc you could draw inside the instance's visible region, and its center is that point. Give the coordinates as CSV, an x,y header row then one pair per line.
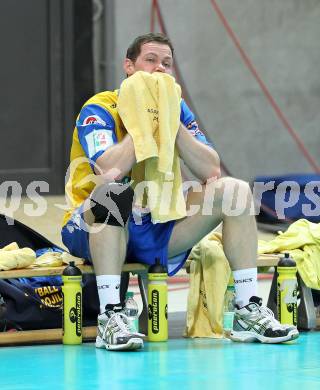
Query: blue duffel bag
x,y
287,198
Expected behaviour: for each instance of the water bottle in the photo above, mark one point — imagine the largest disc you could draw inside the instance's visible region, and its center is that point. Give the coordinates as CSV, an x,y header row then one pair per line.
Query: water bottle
x,y
132,311
287,290
228,308
157,302
72,305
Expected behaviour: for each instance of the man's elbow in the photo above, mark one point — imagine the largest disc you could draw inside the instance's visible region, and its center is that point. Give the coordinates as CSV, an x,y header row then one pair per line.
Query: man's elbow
x,y
216,172
213,175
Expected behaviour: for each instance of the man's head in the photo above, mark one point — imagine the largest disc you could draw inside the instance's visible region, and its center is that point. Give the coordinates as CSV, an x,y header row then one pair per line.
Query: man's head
x,y
150,53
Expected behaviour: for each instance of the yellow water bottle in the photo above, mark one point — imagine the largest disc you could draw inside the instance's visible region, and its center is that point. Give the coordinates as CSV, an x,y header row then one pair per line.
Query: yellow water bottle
x,y
157,302
287,290
72,305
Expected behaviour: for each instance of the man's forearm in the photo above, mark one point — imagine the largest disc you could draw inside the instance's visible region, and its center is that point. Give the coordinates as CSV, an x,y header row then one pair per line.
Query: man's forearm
x,y
202,160
118,160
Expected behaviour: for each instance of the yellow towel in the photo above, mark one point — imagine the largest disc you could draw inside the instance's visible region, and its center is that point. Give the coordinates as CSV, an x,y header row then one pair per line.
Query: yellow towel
x,y
302,241
55,259
11,257
149,107
48,259
209,276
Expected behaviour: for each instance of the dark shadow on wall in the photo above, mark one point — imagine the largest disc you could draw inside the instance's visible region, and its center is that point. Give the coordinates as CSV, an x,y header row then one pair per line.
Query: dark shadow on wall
x,y
83,53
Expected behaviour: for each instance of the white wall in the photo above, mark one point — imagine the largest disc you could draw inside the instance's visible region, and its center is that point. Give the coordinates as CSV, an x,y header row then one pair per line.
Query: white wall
x,y
281,37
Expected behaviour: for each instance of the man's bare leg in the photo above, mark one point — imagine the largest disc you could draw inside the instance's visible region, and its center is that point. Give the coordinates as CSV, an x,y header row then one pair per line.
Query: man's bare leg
x,y
108,251
108,248
239,233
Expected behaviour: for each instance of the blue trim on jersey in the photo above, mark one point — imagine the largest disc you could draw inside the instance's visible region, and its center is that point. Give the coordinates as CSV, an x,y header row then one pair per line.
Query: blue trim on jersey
x,y
186,115
188,119
96,130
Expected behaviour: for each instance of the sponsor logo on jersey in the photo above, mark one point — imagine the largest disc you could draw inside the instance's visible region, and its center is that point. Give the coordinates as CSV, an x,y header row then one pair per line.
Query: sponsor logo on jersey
x,y
194,129
101,139
192,125
90,120
98,140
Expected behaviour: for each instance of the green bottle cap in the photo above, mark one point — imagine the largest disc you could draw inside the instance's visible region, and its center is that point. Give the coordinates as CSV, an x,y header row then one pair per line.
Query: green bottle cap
x,y
129,294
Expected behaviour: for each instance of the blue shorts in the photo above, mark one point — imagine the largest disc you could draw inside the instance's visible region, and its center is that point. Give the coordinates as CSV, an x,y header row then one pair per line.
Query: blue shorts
x,y
147,241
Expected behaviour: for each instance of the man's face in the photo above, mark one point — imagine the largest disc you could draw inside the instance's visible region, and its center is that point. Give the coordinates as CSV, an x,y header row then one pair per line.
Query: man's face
x,y
153,57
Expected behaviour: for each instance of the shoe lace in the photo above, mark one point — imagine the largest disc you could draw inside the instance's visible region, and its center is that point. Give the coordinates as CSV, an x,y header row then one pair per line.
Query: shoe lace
x,y
118,319
266,312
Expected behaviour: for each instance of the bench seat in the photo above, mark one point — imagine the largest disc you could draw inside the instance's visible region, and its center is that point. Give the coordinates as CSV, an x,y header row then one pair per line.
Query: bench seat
x,y
306,310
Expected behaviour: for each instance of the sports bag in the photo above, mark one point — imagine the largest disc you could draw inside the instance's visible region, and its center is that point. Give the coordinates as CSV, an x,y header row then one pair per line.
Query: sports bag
x,y
287,198
36,303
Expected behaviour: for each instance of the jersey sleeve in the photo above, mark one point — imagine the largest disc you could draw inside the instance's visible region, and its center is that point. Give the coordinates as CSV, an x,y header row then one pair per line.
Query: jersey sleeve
x,y
188,119
96,130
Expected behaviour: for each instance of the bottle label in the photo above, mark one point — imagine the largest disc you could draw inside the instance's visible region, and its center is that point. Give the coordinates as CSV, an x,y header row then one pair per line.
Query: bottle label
x,y
62,314
78,306
287,301
289,288
154,311
75,314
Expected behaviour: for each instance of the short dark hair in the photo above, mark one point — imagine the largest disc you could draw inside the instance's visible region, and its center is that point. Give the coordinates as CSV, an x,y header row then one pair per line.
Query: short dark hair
x,y
135,48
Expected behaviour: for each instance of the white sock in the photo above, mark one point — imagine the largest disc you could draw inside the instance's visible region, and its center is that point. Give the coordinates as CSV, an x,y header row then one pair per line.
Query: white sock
x,y
108,290
245,283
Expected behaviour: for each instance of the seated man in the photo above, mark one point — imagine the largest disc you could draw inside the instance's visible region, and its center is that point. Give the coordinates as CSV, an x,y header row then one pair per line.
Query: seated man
x,y
102,157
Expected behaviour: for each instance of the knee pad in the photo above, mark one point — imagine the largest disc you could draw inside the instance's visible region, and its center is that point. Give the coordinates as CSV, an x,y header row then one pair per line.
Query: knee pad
x,y
111,203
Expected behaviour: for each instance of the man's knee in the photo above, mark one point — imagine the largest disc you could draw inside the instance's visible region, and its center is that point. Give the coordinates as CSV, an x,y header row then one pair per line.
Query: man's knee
x,y
232,182
232,191
238,195
111,203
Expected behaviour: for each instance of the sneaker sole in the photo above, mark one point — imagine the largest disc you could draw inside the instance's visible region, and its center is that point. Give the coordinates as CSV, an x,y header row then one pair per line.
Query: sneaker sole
x,y
133,344
251,337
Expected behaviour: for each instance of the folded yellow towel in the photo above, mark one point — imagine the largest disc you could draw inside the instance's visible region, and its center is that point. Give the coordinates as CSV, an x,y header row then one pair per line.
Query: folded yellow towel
x,y
10,247
11,257
209,276
149,107
302,241
55,259
48,259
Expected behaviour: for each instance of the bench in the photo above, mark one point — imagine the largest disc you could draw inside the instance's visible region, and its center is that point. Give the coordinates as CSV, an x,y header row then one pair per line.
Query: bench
x,y
306,310
55,335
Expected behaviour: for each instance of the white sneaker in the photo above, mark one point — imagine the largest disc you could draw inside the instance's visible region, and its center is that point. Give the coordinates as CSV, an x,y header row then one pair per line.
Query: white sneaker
x,y
255,322
285,326
114,331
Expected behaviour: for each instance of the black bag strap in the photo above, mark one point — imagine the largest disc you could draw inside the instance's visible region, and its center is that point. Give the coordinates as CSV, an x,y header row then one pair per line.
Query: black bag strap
x,y
22,234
